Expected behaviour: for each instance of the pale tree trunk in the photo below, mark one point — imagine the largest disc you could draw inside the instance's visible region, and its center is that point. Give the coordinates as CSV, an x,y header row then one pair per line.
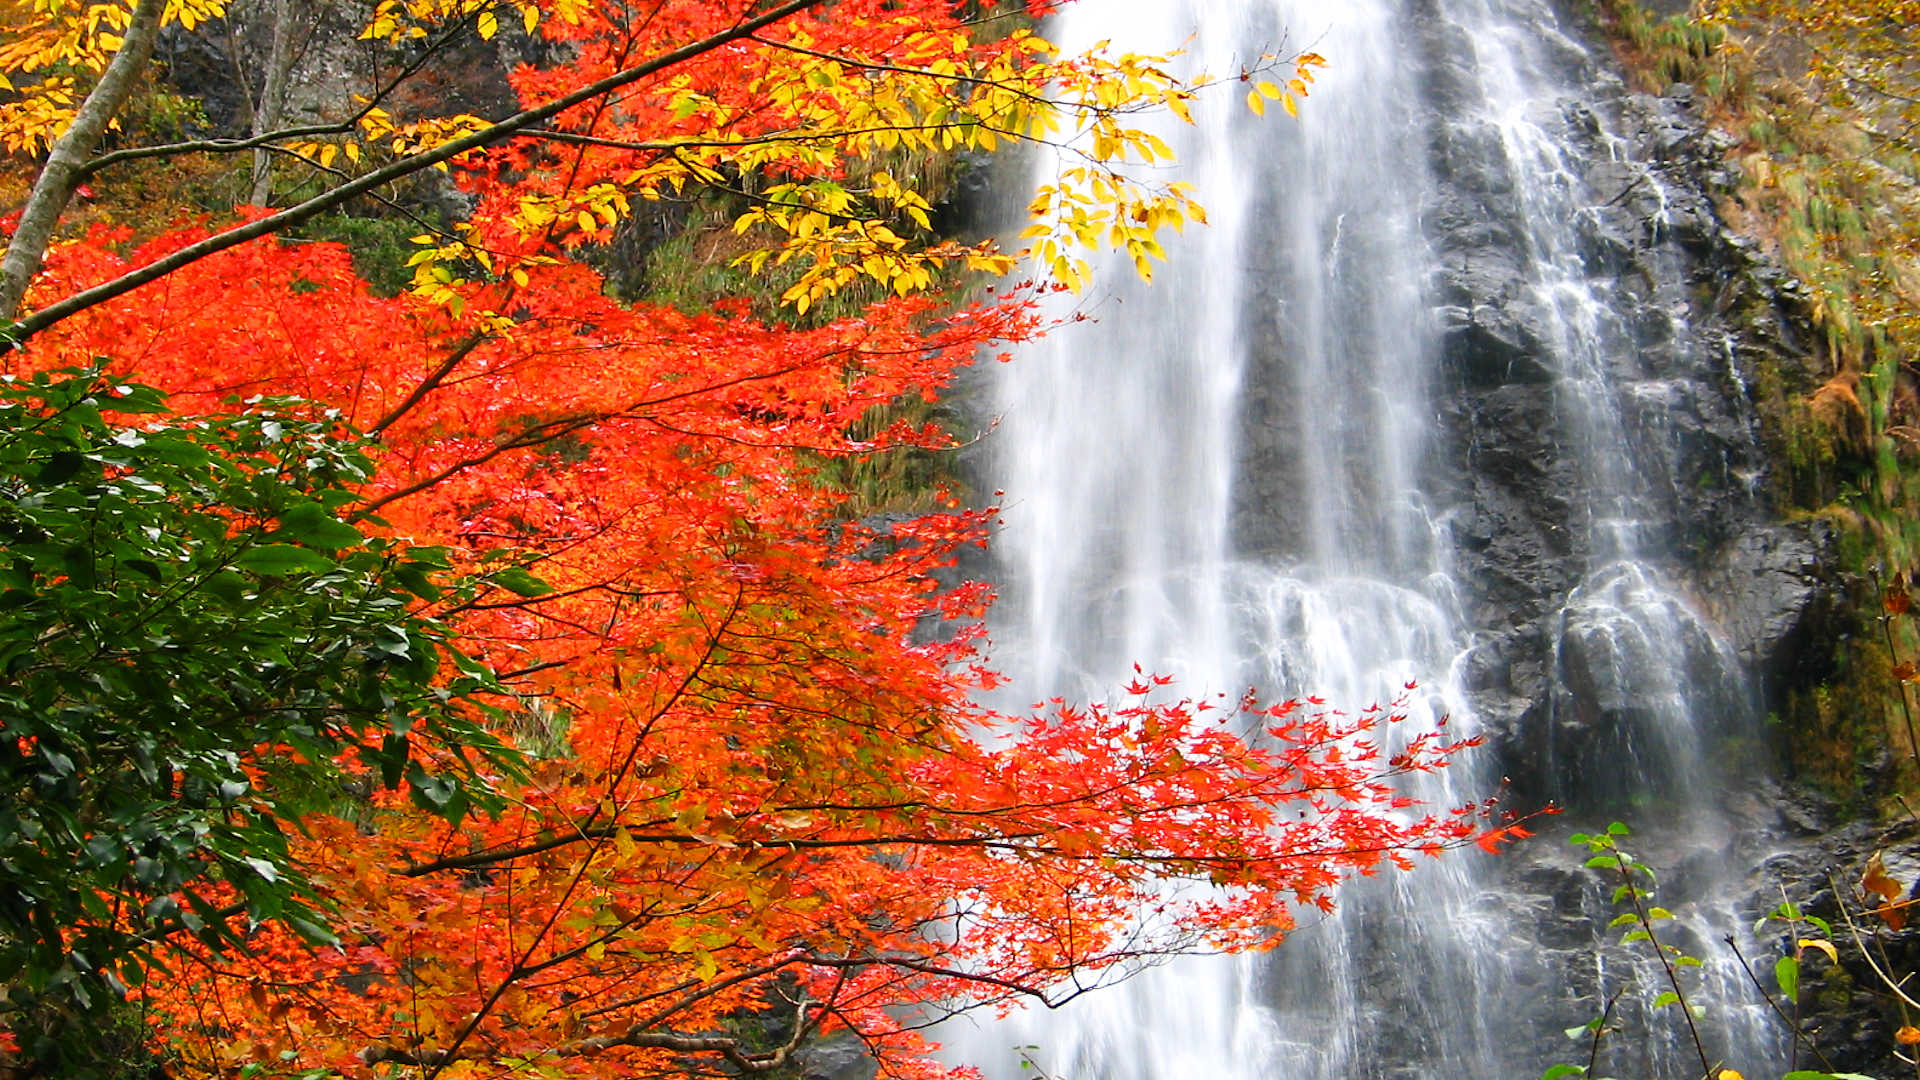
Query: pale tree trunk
x,y
273,98
54,187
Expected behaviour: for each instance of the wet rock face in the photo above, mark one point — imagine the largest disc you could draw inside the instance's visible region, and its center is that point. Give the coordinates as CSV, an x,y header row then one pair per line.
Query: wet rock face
x,y
1563,639
1554,674
1525,521
840,1056
224,65
1848,1013
1773,590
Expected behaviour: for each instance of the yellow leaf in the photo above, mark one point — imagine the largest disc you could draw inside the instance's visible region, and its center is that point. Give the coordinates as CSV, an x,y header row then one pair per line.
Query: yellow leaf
x,y
1257,103
1824,946
1292,106
1876,880
487,24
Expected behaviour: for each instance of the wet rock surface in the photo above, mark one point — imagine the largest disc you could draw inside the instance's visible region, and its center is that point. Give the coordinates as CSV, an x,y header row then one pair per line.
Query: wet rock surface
x,y
1774,592
1693,311
1685,312
1682,301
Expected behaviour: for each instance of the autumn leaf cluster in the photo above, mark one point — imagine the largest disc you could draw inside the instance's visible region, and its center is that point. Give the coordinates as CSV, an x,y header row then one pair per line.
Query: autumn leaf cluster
x,y
705,773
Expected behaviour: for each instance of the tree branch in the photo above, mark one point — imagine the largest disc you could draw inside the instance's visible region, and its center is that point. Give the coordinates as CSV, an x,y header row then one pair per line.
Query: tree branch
x,y
406,166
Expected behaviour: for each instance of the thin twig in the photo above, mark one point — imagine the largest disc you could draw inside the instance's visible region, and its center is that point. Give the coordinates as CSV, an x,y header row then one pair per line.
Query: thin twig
x,y
1800,1037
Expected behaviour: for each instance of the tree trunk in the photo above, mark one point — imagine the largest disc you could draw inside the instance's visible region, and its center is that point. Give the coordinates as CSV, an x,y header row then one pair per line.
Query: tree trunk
x,y
273,98
54,188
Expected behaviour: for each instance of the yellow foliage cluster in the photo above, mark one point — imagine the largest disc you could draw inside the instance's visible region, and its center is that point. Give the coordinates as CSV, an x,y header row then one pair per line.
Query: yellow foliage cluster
x,y
397,21
50,50
822,193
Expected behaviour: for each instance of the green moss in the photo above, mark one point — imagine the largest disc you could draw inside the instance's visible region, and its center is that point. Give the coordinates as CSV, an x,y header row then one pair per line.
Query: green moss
x,y
1840,211
902,480
380,246
1676,49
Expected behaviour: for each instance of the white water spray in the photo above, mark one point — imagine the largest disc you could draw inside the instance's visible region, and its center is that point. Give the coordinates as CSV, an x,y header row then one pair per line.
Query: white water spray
x,y
1224,477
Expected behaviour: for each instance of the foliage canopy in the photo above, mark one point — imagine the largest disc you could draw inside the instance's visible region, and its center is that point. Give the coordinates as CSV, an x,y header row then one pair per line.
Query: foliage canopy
x,y
633,732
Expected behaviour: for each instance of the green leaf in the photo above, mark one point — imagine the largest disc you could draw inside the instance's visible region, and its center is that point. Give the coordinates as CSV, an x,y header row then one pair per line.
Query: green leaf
x,y
1558,1071
413,576
518,581
1786,971
145,567
310,524
1665,999
176,451
283,559
78,561
313,931
1617,829
62,466
227,586
1604,862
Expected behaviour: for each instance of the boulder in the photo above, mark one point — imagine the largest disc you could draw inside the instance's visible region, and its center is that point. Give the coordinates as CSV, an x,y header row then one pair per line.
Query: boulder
x,y
1777,593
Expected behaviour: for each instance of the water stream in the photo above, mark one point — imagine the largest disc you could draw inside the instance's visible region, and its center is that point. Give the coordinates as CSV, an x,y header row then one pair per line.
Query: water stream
x,y
1240,475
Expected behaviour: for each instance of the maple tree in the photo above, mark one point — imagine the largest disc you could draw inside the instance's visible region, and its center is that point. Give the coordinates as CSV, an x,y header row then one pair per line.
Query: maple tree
x,y
751,796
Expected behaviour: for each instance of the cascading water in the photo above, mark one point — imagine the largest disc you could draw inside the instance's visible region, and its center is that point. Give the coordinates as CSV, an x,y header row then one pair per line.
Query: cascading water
x,y
1271,468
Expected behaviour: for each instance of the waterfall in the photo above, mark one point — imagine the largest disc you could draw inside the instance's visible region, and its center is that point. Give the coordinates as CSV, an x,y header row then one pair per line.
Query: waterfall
x,y
1286,464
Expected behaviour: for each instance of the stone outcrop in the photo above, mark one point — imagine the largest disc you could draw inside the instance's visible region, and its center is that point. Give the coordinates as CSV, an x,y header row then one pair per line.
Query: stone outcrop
x,y
1681,292
1698,312
1580,668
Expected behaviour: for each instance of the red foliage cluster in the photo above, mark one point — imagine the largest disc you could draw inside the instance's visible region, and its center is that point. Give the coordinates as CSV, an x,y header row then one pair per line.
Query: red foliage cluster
x,y
766,790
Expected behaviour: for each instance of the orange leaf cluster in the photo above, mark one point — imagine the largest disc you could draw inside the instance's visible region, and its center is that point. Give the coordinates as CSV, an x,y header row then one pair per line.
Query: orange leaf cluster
x,y
772,791
764,804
